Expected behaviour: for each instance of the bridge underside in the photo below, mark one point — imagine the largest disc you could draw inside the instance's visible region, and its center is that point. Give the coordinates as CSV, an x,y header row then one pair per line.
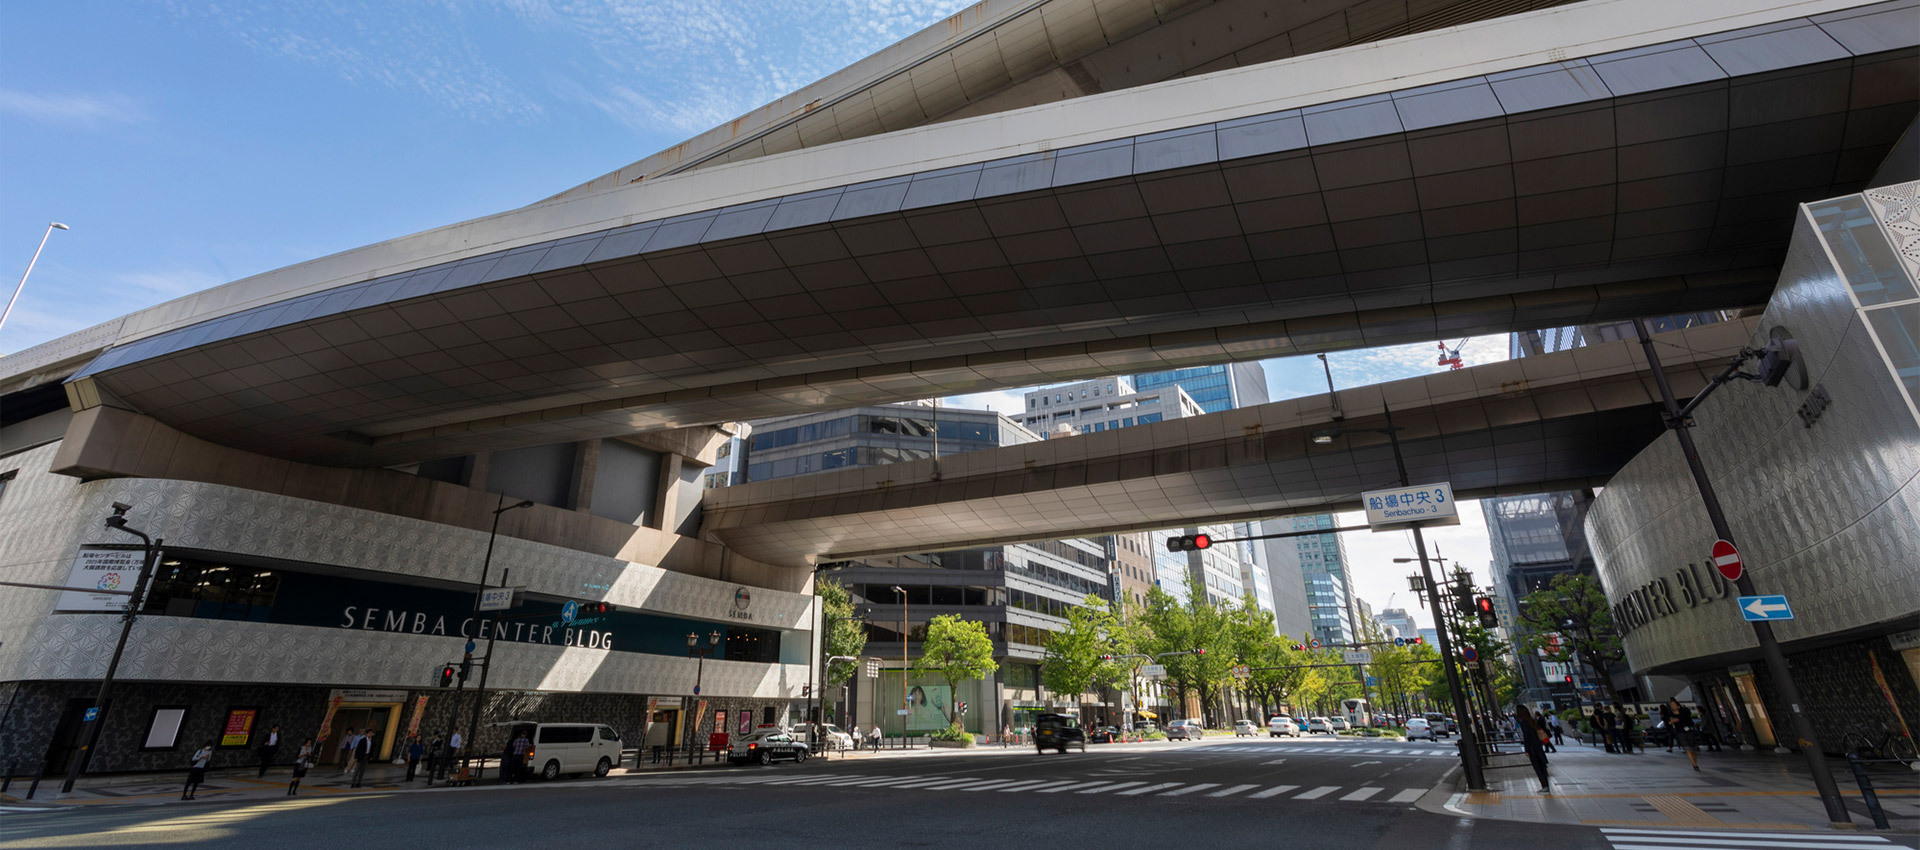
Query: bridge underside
x,y
1556,421
1659,179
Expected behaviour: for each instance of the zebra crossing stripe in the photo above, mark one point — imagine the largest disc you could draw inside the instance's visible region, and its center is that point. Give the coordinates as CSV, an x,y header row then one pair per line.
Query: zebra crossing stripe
x,y
1273,792
951,783
1638,834
1111,786
1228,792
1361,794
914,783
1150,788
1026,785
988,786
1319,792
1190,789
1070,786
1407,796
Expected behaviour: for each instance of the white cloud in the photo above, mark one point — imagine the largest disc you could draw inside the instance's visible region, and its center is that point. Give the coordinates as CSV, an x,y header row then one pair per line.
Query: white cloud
x,y
1008,402
1378,580
86,110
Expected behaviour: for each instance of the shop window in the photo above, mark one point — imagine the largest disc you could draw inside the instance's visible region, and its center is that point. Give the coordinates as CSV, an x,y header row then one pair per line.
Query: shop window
x,y
212,591
163,728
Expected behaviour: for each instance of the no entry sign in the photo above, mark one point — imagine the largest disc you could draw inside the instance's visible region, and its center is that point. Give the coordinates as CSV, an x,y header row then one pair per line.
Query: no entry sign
x,y
1726,559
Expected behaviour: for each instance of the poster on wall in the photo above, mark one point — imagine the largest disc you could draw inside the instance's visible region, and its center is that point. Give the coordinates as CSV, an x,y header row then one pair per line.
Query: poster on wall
x,y
746,722
239,727
419,708
927,707
646,725
163,731
333,705
95,570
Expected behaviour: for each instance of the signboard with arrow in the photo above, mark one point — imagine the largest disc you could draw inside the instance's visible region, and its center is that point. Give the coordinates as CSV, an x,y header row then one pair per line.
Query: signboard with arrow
x,y
1759,609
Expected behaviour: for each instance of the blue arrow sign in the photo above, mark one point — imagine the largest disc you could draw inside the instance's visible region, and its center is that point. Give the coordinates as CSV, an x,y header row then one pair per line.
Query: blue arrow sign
x,y
90,715
1399,641
1765,608
569,611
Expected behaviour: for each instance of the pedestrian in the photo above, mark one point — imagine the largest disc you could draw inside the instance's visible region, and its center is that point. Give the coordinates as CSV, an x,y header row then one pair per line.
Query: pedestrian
x,y
1006,732
414,752
453,747
1667,717
300,764
436,755
1544,726
197,770
519,750
1683,727
348,743
1531,738
1626,728
1559,731
1603,724
268,748
362,753
873,738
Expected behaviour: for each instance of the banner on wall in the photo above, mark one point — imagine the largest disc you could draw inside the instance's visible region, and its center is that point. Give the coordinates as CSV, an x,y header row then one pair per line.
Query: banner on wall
x,y
698,713
333,705
97,573
927,707
646,725
239,728
419,708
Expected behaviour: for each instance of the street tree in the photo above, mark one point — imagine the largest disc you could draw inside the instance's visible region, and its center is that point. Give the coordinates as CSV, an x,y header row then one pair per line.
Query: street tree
x,y
1075,660
955,651
844,634
1574,609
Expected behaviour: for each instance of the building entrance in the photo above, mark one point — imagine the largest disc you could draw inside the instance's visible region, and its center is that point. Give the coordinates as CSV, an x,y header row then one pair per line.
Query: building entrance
x,y
381,718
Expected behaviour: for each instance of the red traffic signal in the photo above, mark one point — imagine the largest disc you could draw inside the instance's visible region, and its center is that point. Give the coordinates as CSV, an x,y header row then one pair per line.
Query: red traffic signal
x,y
1569,678
595,608
1413,640
446,676
1484,607
1198,651
1189,542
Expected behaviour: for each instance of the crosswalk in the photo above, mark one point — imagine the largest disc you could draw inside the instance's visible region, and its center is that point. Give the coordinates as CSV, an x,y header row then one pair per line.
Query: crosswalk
x,y
1700,839
1344,751
1055,785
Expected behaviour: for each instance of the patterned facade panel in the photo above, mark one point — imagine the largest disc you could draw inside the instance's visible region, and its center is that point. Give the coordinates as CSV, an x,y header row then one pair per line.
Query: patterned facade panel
x,y
46,517
1897,208
1827,513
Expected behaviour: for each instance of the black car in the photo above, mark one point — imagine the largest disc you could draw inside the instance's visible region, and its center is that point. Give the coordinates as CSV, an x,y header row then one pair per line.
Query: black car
x,y
1104,735
767,747
1057,731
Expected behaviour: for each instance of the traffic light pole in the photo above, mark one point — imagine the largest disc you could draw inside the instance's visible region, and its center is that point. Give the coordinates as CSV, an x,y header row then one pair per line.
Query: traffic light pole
x,y
1769,647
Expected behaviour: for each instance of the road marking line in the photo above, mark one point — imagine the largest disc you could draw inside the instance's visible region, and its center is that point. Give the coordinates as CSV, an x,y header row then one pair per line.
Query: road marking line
x,y
1317,793
1783,836
856,780
1361,794
988,786
1407,796
1228,792
1070,786
1110,786
1024,785
1274,791
1190,789
1164,785
1045,786
1732,842
914,783
951,784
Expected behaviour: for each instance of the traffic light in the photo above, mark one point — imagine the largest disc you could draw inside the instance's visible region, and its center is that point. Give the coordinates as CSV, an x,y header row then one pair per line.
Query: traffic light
x,y
595,608
1189,542
1106,658
806,690
466,669
1416,640
1483,606
1297,647
1197,651
1569,678
960,707
446,676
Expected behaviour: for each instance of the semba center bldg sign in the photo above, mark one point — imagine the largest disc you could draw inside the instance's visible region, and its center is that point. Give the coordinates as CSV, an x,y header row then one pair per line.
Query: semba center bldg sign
x,y
1689,587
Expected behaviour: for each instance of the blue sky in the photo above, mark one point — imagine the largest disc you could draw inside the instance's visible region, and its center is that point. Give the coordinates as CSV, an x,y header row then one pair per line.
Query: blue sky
x,y
189,144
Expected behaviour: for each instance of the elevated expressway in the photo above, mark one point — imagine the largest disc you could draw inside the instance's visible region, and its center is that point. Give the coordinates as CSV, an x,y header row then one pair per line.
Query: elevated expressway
x,y
1568,419
1580,163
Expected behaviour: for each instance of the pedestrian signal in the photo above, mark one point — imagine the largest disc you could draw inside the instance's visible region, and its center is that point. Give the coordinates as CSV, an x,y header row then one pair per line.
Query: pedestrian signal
x,y
1189,542
1484,607
806,690
446,676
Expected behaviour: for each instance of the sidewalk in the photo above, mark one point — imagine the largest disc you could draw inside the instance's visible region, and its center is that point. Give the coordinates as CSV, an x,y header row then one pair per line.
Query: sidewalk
x,y
1734,789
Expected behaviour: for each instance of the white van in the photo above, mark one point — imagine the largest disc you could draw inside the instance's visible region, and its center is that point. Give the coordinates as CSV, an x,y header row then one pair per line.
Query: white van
x,y
563,748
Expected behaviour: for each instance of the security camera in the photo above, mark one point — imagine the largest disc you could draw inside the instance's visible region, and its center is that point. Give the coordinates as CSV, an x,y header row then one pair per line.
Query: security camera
x,y
1777,360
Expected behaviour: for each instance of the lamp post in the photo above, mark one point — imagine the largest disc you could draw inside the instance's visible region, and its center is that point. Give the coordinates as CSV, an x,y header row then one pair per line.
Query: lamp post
x,y
480,693
695,650
904,705
1469,748
51,227
117,522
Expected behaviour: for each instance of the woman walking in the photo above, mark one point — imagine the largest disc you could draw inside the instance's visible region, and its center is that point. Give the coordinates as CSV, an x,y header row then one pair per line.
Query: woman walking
x,y
1683,727
1530,740
197,771
300,764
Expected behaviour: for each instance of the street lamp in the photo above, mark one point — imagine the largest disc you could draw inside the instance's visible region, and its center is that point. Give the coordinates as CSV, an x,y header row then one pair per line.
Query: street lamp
x,y
905,706
117,522
51,227
695,650
480,693
1469,748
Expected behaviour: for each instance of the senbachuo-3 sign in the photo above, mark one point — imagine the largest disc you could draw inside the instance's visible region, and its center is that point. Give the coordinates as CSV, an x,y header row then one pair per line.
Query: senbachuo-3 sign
x,y
1427,504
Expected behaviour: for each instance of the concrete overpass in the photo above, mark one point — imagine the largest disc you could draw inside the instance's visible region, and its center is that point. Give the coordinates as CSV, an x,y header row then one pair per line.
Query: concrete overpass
x,y
1557,421
1580,163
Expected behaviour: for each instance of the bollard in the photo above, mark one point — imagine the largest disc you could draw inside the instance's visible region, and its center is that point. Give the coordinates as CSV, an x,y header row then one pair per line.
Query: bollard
x,y
1867,794
36,779
7,782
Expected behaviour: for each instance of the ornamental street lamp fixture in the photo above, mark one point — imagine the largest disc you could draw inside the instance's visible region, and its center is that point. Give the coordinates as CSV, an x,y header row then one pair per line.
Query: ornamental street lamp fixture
x,y
695,650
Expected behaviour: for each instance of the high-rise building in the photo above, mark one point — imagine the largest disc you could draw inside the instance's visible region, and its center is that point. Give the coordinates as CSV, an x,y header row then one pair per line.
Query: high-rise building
x,y
1534,538
1020,592
1322,562
1089,407
1398,623
1225,386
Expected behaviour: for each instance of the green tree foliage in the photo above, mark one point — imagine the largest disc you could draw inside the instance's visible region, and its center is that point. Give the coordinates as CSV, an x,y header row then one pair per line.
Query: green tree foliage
x,y
1195,624
843,635
1401,674
1575,608
955,651
1074,661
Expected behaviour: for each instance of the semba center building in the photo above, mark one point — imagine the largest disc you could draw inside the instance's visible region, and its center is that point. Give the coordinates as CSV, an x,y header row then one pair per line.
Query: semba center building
x,y
318,598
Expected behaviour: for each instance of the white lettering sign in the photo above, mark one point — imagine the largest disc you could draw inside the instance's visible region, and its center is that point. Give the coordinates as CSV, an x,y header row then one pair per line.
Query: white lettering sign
x,y
1426,504
496,599
100,569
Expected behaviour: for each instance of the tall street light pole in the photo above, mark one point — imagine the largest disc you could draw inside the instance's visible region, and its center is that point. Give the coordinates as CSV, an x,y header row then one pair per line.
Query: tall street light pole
x,y
117,522
486,565
1769,647
51,227
699,673
904,705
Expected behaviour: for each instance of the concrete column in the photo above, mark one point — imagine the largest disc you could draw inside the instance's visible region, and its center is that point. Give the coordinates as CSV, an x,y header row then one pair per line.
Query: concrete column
x,y
586,463
477,470
666,496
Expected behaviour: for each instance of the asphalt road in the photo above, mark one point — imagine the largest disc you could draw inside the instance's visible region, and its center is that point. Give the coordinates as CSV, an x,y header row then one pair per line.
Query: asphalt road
x,y
1314,792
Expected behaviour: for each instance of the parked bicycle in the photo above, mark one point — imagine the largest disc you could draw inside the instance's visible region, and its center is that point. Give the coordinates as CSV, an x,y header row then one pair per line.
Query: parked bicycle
x,y
1889,746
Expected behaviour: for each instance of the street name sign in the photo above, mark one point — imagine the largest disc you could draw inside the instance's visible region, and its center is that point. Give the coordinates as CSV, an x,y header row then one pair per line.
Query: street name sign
x,y
1357,656
496,599
1761,609
1153,671
1421,504
1726,559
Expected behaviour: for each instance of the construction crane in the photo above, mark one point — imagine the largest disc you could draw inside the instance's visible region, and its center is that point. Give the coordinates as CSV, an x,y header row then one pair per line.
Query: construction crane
x,y
1450,357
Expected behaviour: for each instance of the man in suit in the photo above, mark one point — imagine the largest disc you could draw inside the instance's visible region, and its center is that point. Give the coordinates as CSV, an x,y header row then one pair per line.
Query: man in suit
x,y
268,748
362,753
